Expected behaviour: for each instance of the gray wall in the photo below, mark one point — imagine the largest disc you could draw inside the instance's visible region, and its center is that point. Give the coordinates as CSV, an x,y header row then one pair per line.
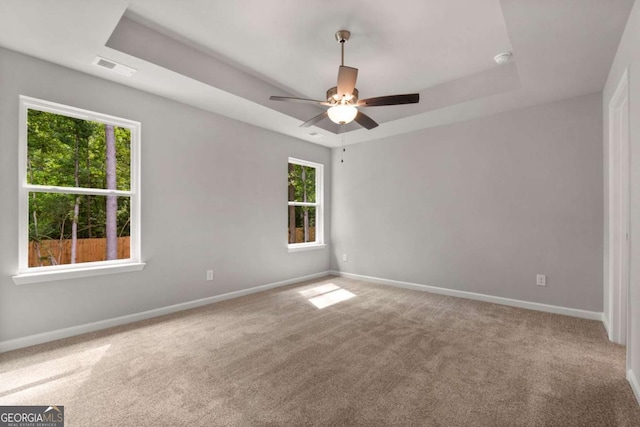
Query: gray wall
x,y
481,206
628,56
213,197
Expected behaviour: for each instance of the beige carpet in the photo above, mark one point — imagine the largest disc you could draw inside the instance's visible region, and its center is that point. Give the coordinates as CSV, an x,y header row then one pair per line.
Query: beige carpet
x,y
384,357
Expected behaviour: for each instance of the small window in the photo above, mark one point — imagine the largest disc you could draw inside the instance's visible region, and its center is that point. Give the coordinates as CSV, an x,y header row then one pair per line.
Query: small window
x,y
305,204
79,189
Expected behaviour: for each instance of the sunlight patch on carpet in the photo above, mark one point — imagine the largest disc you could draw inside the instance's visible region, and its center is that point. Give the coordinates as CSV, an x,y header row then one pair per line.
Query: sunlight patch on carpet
x,y
40,378
330,298
319,290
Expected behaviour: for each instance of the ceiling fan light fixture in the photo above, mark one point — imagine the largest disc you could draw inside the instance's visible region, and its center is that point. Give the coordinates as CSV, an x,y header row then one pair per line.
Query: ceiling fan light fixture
x,y
342,114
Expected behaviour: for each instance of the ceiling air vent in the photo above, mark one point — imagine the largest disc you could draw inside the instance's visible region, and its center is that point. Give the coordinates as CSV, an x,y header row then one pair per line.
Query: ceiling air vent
x,y
113,66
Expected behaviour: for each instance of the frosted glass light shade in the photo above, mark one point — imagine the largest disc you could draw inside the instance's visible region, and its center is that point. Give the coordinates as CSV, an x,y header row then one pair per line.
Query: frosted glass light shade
x,y
342,114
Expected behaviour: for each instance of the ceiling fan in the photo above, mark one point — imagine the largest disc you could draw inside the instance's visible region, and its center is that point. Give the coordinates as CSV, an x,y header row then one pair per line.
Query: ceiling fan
x,y
342,99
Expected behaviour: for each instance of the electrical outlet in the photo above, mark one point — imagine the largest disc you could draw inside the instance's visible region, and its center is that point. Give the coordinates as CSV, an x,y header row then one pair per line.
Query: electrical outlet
x,y
209,274
541,280
344,257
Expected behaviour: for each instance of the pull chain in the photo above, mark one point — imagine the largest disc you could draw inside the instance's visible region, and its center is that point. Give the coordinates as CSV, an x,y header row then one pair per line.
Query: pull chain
x,y
343,144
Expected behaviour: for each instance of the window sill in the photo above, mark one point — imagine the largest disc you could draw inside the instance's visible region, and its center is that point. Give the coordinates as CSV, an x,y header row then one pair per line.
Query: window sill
x,y
49,276
306,247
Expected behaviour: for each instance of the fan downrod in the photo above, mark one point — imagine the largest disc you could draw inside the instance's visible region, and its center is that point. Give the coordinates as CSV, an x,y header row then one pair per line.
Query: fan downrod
x,y
342,36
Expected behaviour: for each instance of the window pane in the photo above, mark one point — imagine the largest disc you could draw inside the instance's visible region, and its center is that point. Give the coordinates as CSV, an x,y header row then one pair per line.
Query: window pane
x,y
302,183
302,224
51,224
69,152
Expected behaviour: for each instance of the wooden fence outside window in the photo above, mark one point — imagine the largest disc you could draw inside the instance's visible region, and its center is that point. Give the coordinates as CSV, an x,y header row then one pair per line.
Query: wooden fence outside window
x,y
87,250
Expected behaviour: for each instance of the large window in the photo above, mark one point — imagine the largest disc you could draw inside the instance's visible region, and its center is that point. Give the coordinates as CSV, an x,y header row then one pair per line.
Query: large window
x,y
305,204
79,191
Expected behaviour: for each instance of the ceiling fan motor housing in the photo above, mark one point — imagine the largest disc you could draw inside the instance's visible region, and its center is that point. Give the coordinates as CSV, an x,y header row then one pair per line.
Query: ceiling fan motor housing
x,y
332,96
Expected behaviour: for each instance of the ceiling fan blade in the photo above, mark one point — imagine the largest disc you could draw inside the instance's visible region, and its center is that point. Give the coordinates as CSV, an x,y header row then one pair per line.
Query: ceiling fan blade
x,y
411,98
347,80
290,99
365,121
314,120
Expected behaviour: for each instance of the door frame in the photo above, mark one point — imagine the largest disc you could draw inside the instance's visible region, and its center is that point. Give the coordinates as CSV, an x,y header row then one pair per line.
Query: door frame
x,y
619,195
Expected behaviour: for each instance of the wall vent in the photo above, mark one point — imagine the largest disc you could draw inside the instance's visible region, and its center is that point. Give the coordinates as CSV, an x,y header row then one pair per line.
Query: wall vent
x,y
113,66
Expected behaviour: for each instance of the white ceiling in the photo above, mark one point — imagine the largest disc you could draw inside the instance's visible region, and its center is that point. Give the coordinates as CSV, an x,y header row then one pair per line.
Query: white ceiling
x,y
228,57
398,50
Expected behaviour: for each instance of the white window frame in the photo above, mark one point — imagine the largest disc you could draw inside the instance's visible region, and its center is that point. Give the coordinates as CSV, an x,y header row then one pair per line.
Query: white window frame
x,y
28,274
319,205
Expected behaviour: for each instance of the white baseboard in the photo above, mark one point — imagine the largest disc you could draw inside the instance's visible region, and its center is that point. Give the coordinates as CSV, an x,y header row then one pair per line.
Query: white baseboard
x,y
117,321
635,385
605,322
574,312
